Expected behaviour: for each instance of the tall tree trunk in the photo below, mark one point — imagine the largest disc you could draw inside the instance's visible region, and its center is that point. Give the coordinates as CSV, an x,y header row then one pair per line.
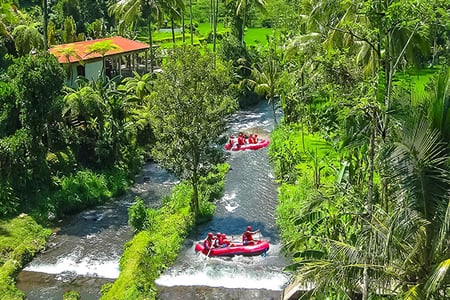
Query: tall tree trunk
x,y
190,20
389,63
216,13
194,204
373,131
150,37
183,27
211,14
271,100
172,25
45,29
244,20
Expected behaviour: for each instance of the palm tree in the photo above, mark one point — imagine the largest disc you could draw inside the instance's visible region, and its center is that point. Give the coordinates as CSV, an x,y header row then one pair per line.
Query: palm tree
x,y
191,26
137,86
240,10
102,48
215,21
266,80
68,52
27,38
421,181
128,12
175,10
403,253
45,17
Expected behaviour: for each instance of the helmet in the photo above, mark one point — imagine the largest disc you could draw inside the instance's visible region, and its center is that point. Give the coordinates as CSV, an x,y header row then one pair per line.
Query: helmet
x,y
210,234
218,234
224,235
249,227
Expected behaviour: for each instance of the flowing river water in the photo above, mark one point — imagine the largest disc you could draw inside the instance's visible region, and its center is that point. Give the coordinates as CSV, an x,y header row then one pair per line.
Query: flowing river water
x,y
250,199
85,250
84,253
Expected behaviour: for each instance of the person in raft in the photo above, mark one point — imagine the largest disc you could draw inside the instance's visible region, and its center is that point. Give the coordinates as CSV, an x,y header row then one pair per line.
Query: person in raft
x,y
225,241
247,236
221,240
241,139
209,242
250,138
231,141
217,238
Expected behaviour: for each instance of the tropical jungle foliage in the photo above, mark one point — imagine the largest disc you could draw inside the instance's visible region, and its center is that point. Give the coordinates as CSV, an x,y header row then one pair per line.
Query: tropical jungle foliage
x,y
361,152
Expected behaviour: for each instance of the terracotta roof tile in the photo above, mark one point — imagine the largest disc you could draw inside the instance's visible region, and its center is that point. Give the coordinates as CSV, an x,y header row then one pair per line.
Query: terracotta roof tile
x,y
82,52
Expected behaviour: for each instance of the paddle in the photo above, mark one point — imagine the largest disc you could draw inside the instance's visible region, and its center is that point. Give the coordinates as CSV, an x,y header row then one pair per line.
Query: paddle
x,y
207,255
257,240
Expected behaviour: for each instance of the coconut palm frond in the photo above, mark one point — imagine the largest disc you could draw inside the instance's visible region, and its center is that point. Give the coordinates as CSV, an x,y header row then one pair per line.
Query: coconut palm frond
x,y
418,162
439,112
301,42
442,238
437,278
413,293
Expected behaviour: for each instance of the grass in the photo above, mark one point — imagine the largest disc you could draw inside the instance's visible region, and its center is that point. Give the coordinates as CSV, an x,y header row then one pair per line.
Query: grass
x,y
257,36
417,81
20,239
253,36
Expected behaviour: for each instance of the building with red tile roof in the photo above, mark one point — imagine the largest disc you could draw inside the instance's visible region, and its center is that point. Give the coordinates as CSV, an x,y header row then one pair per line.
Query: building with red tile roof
x,y
124,57
82,52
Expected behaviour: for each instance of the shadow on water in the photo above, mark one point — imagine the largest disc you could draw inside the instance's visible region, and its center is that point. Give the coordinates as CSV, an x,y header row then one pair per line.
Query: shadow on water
x,y
105,217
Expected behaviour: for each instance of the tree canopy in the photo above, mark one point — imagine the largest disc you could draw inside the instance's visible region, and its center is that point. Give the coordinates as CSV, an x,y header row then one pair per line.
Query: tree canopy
x,y
188,107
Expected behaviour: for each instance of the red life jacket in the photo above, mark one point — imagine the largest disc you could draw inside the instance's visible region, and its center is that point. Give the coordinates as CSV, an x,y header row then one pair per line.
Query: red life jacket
x,y
247,236
207,244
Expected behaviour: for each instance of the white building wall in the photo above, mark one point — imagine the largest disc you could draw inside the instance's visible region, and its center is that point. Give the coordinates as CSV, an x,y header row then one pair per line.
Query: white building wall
x,y
92,70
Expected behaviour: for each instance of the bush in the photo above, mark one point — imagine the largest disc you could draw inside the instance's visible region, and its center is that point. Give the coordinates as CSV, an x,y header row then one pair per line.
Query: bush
x,y
83,189
137,214
61,162
8,200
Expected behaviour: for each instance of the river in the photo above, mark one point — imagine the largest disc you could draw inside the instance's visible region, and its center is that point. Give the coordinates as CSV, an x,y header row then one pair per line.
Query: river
x,y
250,199
84,252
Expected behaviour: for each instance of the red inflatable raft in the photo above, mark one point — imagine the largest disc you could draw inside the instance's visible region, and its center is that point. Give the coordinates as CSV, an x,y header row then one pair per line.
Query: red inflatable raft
x,y
260,144
258,248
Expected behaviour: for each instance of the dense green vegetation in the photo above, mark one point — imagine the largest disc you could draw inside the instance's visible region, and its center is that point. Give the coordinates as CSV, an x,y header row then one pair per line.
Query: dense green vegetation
x,y
361,152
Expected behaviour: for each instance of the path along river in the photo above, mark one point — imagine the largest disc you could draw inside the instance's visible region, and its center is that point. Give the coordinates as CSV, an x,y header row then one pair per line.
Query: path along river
x,y
85,252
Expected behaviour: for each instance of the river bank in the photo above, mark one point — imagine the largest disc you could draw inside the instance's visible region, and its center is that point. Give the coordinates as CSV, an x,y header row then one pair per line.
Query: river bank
x,y
20,239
